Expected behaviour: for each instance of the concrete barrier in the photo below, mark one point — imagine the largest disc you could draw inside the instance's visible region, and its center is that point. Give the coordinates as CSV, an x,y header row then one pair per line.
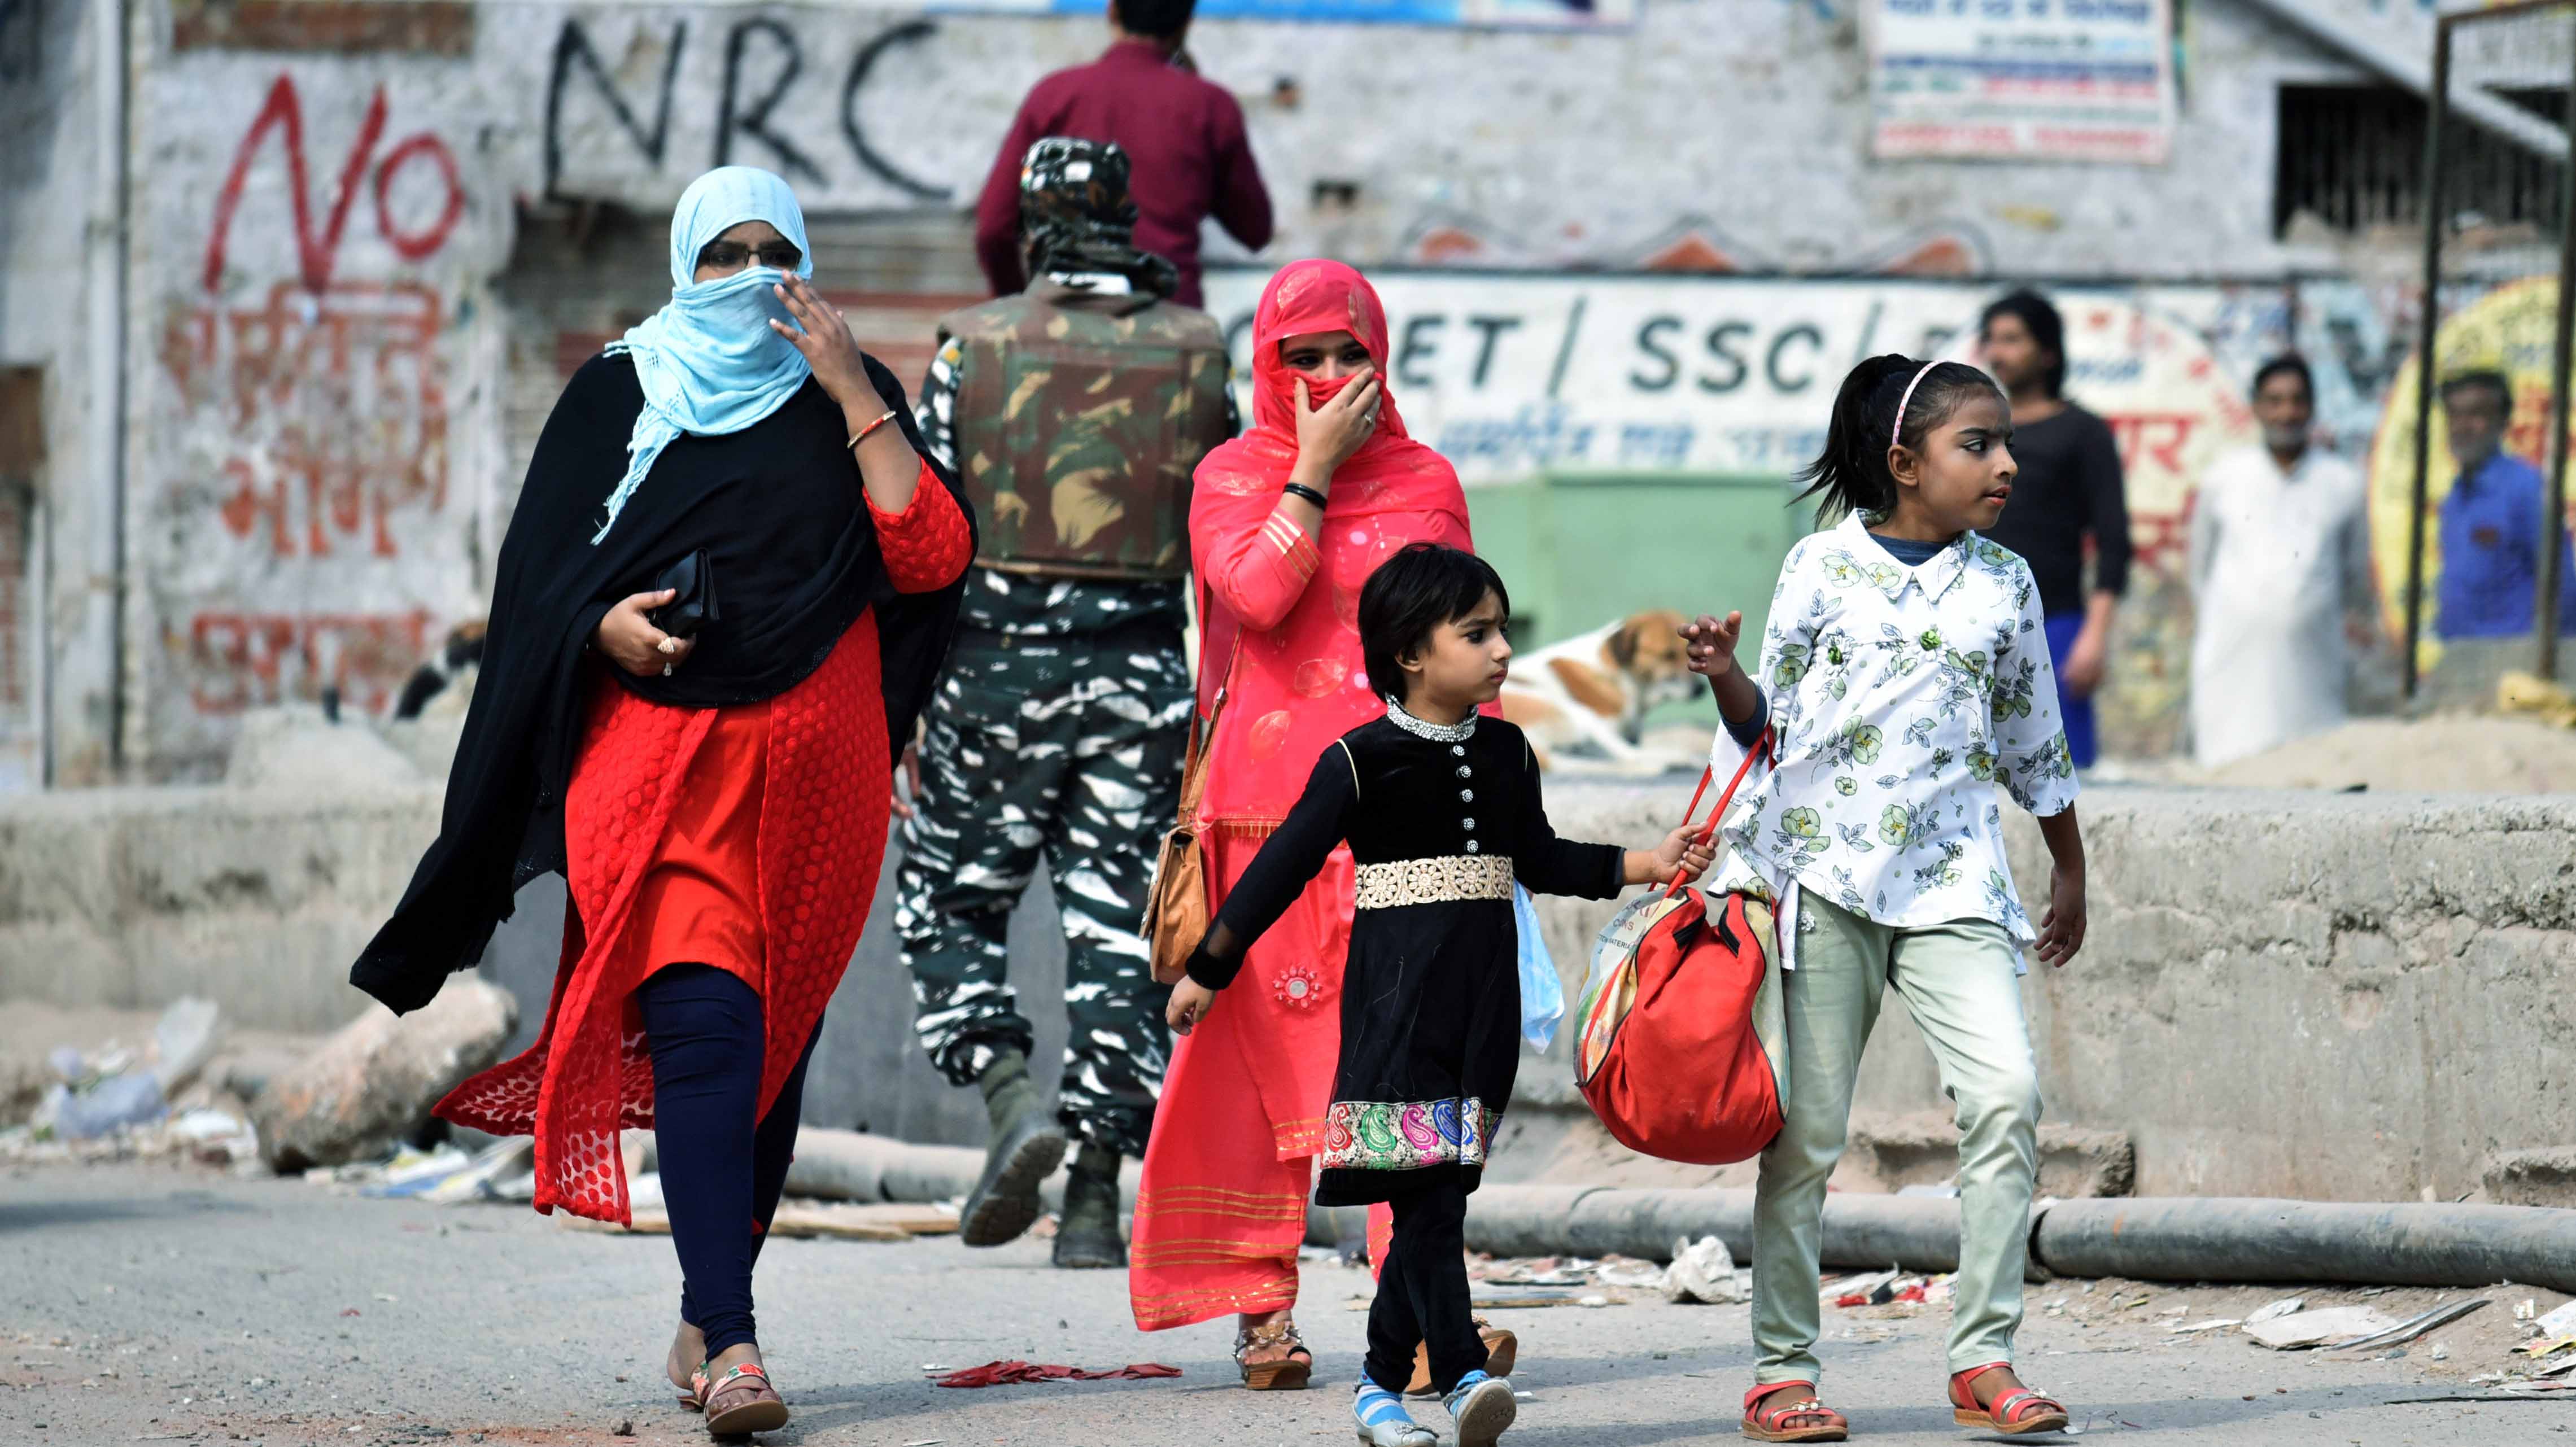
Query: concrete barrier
x,y
2322,996
255,898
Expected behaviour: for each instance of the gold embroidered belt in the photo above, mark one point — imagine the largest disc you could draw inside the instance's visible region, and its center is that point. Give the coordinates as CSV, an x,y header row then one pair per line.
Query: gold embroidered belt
x,y
1435,881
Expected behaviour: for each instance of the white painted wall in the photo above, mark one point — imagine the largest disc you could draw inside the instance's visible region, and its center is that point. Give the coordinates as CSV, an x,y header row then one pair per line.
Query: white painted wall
x,y
45,64
1745,120
315,477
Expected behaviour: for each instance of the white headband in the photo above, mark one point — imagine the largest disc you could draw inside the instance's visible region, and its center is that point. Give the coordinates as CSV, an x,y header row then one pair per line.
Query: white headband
x,y
1896,434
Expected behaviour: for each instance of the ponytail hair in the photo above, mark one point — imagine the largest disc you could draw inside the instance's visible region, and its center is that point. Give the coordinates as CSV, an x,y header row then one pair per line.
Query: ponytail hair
x,y
1851,474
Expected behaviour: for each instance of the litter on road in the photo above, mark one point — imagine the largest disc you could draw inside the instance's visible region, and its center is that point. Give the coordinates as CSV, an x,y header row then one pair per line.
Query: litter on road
x,y
1704,1271
2301,1330
995,1374
2417,1326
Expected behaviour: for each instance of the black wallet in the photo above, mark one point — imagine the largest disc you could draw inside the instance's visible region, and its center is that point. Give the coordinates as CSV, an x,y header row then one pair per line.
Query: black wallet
x,y
693,580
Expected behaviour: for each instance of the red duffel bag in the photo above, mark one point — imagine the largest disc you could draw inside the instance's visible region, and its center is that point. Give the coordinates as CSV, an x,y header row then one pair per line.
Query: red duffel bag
x,y
1682,1050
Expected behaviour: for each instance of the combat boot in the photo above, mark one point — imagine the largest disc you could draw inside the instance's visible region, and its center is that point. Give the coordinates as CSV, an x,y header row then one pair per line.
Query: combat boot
x,y
1027,1147
1088,1235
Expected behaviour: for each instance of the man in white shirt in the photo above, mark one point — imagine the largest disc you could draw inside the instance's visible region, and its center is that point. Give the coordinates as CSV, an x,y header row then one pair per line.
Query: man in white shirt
x,y
2280,571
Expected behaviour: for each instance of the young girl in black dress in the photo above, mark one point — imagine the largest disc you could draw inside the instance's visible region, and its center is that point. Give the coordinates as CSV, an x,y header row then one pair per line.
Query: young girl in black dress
x,y
1441,809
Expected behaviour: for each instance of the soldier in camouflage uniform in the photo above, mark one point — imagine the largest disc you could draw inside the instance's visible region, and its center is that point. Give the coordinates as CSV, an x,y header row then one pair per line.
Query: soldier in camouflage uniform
x,y
1075,412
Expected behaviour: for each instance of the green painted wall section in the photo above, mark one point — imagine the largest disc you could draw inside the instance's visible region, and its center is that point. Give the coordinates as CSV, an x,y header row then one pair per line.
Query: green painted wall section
x,y
1581,550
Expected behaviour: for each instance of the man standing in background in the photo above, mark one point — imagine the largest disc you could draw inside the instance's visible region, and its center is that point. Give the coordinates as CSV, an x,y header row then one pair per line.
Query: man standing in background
x,y
2069,492
2280,578
1074,413
2491,522
1184,137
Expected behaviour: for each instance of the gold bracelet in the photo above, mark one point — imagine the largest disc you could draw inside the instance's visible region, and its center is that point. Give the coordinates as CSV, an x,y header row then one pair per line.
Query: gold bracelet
x,y
862,434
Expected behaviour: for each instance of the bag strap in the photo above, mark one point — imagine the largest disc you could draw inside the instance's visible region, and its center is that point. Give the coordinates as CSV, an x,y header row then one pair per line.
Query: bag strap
x,y
1194,777
1761,750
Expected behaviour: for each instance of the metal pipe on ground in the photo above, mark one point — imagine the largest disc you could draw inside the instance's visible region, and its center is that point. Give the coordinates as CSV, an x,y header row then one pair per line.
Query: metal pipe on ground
x,y
849,1165
2170,1239
2242,1239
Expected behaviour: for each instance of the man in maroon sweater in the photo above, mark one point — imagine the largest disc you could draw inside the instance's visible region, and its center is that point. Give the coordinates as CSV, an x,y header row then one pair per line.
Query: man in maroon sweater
x,y
1183,134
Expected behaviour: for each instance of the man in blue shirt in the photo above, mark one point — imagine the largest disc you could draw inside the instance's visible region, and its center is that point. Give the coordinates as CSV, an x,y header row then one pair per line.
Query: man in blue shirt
x,y
2490,522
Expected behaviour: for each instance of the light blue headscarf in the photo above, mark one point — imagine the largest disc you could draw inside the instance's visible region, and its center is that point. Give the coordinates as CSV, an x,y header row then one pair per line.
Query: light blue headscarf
x,y
708,361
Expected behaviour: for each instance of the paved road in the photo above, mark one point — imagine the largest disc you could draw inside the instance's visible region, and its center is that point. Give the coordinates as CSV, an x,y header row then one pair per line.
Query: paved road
x,y
154,1303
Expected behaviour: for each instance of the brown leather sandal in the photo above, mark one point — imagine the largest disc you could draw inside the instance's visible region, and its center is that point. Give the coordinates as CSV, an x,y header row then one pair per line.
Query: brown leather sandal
x,y
1289,1373
1502,1352
1794,1417
2020,1412
742,1401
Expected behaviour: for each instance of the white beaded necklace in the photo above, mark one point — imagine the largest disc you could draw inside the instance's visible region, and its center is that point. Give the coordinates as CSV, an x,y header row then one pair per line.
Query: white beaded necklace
x,y
1456,733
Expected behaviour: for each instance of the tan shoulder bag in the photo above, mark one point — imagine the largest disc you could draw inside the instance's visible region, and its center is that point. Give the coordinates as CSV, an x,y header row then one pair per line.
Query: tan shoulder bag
x,y
1176,914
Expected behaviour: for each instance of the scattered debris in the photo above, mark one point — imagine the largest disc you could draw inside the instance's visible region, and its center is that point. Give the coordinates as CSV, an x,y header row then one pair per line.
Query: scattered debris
x,y
2416,1326
1627,1271
1704,1271
104,1106
2561,1322
411,1172
2305,1329
994,1374
1865,1287
2195,1328
503,1171
1613,1270
2509,1392
1893,1289
1508,1298
184,1041
2275,1310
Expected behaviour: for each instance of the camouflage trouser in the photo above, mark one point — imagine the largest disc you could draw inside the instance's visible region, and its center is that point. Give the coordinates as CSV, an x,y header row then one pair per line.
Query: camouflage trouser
x,y
1071,747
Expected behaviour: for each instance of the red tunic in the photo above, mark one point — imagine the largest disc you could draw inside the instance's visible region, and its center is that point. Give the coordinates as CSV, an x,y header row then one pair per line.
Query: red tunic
x,y
746,838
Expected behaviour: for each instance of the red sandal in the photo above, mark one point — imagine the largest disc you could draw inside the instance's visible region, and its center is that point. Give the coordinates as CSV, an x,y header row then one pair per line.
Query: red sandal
x,y
1782,1421
2020,1412
755,1406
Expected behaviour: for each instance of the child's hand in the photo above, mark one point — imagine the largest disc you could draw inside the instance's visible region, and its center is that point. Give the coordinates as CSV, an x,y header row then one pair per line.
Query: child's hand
x,y
1682,853
1712,644
1190,1004
2061,930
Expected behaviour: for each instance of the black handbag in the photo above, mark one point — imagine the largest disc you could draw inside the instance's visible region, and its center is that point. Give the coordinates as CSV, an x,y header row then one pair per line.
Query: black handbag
x,y
692,581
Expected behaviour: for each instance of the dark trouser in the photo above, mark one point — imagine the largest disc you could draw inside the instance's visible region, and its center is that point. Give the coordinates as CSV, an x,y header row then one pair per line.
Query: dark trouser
x,y
1422,1293
721,1174
1065,751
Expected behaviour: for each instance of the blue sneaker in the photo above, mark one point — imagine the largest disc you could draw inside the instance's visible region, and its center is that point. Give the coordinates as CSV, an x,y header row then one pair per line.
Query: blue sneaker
x,y
1483,1407
1382,1420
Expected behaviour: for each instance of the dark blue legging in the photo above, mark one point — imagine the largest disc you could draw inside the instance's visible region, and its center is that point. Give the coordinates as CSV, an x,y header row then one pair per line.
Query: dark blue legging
x,y
721,1175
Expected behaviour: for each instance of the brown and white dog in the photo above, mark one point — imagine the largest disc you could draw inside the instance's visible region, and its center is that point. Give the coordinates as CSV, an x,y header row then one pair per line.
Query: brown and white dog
x,y
1583,702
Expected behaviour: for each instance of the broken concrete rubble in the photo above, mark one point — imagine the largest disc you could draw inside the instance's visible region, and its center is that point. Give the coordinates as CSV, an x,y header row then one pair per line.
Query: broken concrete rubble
x,y
375,1081
2540,1176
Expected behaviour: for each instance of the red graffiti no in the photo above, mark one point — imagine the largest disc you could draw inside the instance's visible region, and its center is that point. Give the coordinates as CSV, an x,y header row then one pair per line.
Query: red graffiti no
x,y
318,252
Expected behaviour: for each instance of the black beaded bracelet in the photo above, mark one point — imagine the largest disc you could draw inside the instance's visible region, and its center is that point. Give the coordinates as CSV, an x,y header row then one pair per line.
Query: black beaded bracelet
x,y
1299,489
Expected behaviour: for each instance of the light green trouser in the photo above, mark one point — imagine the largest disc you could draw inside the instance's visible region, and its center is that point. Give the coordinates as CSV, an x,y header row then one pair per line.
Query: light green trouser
x,y
1959,979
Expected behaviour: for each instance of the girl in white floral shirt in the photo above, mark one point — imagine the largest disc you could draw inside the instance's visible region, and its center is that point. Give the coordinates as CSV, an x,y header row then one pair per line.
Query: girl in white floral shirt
x,y
1907,676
